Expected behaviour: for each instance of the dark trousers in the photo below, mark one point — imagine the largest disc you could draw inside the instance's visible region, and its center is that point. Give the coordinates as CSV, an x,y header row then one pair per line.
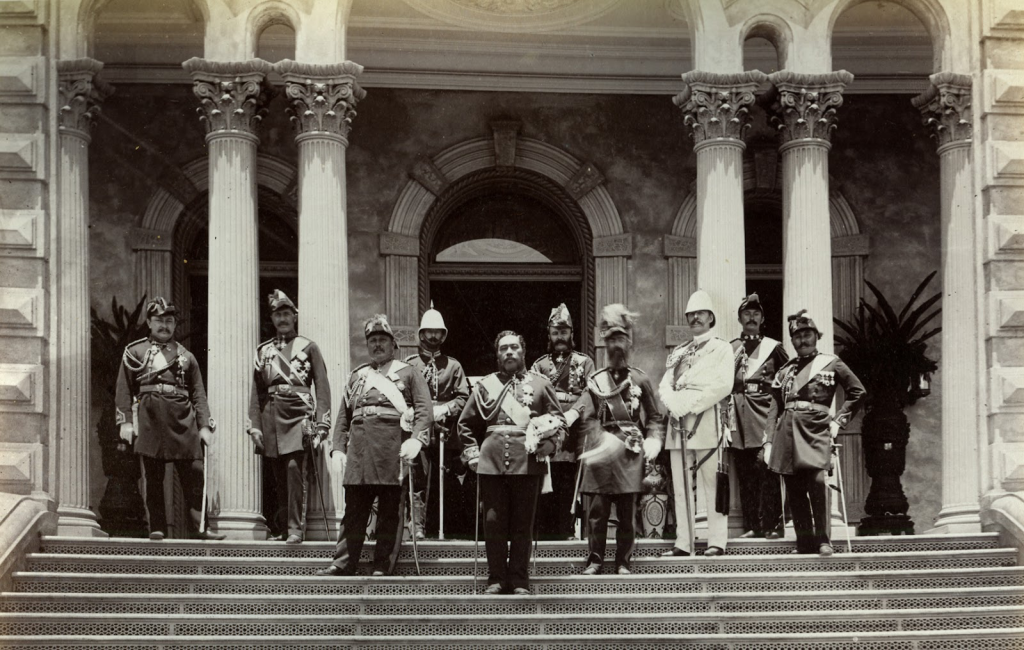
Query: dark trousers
x,y
358,503
509,505
289,475
459,498
760,495
422,479
805,491
625,529
191,474
554,519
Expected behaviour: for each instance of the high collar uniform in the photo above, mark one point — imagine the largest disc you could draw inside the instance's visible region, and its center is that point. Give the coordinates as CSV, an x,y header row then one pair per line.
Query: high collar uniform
x,y
447,383
568,373
698,376
758,358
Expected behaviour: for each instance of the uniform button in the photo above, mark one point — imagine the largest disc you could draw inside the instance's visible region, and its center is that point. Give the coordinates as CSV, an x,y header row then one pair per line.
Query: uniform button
x,y
506,456
508,421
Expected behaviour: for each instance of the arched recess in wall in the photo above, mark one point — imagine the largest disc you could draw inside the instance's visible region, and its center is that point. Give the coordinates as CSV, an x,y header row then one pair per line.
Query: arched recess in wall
x,y
577,186
762,180
929,12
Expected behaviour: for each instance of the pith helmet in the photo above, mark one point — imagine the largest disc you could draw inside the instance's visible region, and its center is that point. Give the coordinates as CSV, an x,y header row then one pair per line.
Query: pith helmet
x,y
616,319
751,302
432,320
802,321
700,300
377,324
278,300
560,317
160,307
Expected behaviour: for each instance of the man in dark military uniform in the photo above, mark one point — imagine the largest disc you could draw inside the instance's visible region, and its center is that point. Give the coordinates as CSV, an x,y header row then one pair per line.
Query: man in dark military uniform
x,y
623,427
801,429
383,424
449,390
758,358
289,407
160,399
511,423
568,371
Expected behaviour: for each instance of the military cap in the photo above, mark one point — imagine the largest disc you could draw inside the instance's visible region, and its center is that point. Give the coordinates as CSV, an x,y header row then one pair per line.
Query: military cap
x,y
278,300
750,302
378,324
432,320
616,319
160,307
699,300
802,321
560,317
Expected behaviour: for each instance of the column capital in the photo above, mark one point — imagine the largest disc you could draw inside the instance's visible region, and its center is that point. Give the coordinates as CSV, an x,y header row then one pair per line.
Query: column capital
x,y
946,107
232,95
716,105
81,91
805,104
323,96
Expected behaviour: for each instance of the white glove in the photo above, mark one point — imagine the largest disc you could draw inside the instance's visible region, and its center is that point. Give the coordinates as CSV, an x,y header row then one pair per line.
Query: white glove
x,y
440,413
338,460
410,449
767,452
833,429
652,447
206,436
570,417
127,432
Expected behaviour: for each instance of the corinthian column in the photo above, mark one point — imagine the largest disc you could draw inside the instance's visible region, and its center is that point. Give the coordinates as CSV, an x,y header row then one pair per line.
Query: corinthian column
x,y
805,115
715,107
232,96
80,94
323,99
946,107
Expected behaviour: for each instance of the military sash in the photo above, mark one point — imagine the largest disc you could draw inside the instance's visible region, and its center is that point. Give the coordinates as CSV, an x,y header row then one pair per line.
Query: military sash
x,y
816,365
282,364
385,385
520,414
761,354
605,388
167,364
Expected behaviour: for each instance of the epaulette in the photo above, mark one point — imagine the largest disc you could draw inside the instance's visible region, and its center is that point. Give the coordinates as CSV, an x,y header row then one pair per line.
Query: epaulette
x,y
397,365
358,368
134,343
541,358
301,341
538,374
411,357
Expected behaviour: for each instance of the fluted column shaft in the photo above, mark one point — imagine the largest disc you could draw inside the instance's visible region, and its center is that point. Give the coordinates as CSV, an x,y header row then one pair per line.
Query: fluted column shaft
x,y
715,107
80,93
231,97
323,99
946,107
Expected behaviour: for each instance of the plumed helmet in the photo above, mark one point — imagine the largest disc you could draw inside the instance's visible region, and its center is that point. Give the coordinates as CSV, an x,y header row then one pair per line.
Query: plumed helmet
x,y
432,320
802,321
378,324
700,300
560,317
160,307
750,302
616,319
278,300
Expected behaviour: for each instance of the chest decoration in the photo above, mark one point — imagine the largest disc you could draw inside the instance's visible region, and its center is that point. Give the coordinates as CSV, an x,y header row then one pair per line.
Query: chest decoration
x,y
526,395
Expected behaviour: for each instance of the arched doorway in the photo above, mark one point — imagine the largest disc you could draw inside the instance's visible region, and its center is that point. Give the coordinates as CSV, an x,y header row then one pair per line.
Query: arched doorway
x,y
501,252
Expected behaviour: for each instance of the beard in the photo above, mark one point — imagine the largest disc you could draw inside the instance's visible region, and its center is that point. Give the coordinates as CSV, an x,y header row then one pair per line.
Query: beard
x,y
618,356
519,365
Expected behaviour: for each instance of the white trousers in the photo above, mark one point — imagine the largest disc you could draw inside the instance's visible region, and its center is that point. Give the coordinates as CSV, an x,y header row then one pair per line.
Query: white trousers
x,y
718,524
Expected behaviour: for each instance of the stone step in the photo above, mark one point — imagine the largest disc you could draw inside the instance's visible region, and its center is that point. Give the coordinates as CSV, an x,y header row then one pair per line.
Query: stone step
x,y
544,566
61,582
434,549
589,604
967,639
806,622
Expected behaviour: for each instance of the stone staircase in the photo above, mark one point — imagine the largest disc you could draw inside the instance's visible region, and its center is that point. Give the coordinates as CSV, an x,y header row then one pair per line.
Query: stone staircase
x,y
923,592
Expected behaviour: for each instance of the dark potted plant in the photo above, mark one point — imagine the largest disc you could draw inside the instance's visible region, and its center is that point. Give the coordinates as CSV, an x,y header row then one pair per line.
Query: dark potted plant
x,y
886,351
121,510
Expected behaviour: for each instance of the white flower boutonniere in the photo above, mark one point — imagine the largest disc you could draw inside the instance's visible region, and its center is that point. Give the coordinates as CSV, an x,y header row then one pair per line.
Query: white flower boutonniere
x,y
526,395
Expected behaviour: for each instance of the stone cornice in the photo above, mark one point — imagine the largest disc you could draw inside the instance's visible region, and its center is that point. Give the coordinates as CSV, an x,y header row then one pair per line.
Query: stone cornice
x,y
323,96
805,104
716,105
233,95
946,107
81,91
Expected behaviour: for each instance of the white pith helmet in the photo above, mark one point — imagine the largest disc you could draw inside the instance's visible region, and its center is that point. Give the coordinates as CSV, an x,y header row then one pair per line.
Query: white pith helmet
x,y
700,301
432,320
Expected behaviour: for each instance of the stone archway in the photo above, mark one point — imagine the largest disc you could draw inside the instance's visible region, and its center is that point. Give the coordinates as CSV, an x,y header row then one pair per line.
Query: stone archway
x,y
504,152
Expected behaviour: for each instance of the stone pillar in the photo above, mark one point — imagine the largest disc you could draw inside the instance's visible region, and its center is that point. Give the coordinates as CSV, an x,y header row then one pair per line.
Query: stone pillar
x,y
805,115
946,107
323,99
80,93
715,106
232,96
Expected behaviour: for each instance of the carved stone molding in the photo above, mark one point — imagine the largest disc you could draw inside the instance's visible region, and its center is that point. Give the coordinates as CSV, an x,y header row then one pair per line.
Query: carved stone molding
x,y
676,246
613,246
715,105
22,79
233,96
427,174
395,244
586,178
21,388
505,134
851,245
22,156
142,239
805,104
1006,312
946,107
1006,234
20,233
406,335
23,12
81,92
323,96
21,312
21,467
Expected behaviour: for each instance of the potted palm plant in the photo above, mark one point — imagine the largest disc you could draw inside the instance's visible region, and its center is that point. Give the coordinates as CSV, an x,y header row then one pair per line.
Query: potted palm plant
x,y
887,351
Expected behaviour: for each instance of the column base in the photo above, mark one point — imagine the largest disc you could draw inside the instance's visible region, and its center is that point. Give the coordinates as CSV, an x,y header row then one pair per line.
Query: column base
x,y
957,520
78,522
239,525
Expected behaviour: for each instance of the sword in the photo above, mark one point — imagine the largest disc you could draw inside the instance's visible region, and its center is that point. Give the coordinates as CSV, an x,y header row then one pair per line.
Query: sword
x,y
202,511
476,534
320,491
412,522
842,498
691,516
440,488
